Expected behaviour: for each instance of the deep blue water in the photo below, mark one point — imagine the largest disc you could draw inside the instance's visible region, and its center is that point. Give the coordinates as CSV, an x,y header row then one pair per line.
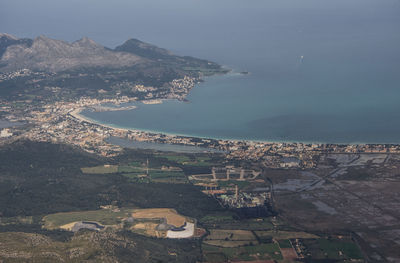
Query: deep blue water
x,y
321,70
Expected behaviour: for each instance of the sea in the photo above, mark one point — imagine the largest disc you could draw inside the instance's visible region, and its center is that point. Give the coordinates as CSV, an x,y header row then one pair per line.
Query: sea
x,y
320,71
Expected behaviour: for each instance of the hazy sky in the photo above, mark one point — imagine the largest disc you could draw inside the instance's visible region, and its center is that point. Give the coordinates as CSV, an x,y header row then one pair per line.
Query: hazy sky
x,y
111,22
108,21
214,29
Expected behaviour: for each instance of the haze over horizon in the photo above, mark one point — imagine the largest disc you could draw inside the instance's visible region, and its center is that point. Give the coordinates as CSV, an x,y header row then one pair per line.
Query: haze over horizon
x,y
319,68
161,22
200,131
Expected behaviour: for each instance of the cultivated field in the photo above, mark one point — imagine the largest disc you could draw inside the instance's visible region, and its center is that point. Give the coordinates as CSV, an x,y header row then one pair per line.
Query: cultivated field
x,y
284,234
230,238
103,216
335,249
171,216
146,228
139,173
102,169
230,243
289,254
347,192
230,234
200,161
245,253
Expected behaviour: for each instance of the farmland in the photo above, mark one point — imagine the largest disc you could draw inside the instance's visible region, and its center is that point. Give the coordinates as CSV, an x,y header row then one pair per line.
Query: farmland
x,y
58,194
171,216
139,173
244,253
190,160
226,221
230,238
332,248
250,239
154,222
103,216
102,169
277,234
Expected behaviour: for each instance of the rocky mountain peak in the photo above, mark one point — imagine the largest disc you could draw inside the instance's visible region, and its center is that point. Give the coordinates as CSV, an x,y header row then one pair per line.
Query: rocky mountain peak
x,y
47,54
143,49
85,41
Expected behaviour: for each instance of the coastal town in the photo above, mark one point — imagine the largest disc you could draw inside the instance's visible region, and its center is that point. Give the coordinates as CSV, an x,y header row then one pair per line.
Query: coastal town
x,y
71,182
62,122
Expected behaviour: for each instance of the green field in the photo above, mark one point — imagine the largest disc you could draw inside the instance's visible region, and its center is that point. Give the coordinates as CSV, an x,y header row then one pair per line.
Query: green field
x,y
227,221
103,216
131,169
332,247
101,169
285,243
215,257
230,183
230,238
246,253
136,164
284,234
176,158
136,173
131,175
159,176
230,234
217,218
165,174
201,161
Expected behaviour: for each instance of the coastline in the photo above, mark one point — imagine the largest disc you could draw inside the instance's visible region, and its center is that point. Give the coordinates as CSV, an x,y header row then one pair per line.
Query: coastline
x,y
260,139
76,113
64,122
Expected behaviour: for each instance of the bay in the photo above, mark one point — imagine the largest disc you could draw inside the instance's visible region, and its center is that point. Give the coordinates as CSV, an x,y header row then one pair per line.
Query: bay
x,y
320,70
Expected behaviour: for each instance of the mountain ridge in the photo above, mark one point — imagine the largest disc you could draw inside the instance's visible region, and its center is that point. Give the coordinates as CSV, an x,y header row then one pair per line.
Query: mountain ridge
x,y
31,67
47,54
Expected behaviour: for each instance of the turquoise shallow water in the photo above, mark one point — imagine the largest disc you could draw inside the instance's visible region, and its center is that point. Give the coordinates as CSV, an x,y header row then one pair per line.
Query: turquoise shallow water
x,y
236,107
321,70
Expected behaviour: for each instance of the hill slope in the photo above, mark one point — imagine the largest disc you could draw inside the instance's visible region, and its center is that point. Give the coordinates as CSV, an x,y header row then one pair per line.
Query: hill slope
x,y
46,54
29,68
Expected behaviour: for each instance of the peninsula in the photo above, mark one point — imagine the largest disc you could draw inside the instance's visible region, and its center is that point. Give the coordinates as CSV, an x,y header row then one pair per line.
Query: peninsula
x,y
44,70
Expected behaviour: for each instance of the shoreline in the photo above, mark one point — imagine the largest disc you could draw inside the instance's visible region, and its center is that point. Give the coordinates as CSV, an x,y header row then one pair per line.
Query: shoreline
x,y
76,113
64,122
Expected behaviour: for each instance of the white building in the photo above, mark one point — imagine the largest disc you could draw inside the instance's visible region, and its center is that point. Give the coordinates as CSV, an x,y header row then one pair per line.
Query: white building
x,y
5,133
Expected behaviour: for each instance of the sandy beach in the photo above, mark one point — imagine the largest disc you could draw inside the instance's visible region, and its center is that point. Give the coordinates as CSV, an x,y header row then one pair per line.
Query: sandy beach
x,y
76,114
